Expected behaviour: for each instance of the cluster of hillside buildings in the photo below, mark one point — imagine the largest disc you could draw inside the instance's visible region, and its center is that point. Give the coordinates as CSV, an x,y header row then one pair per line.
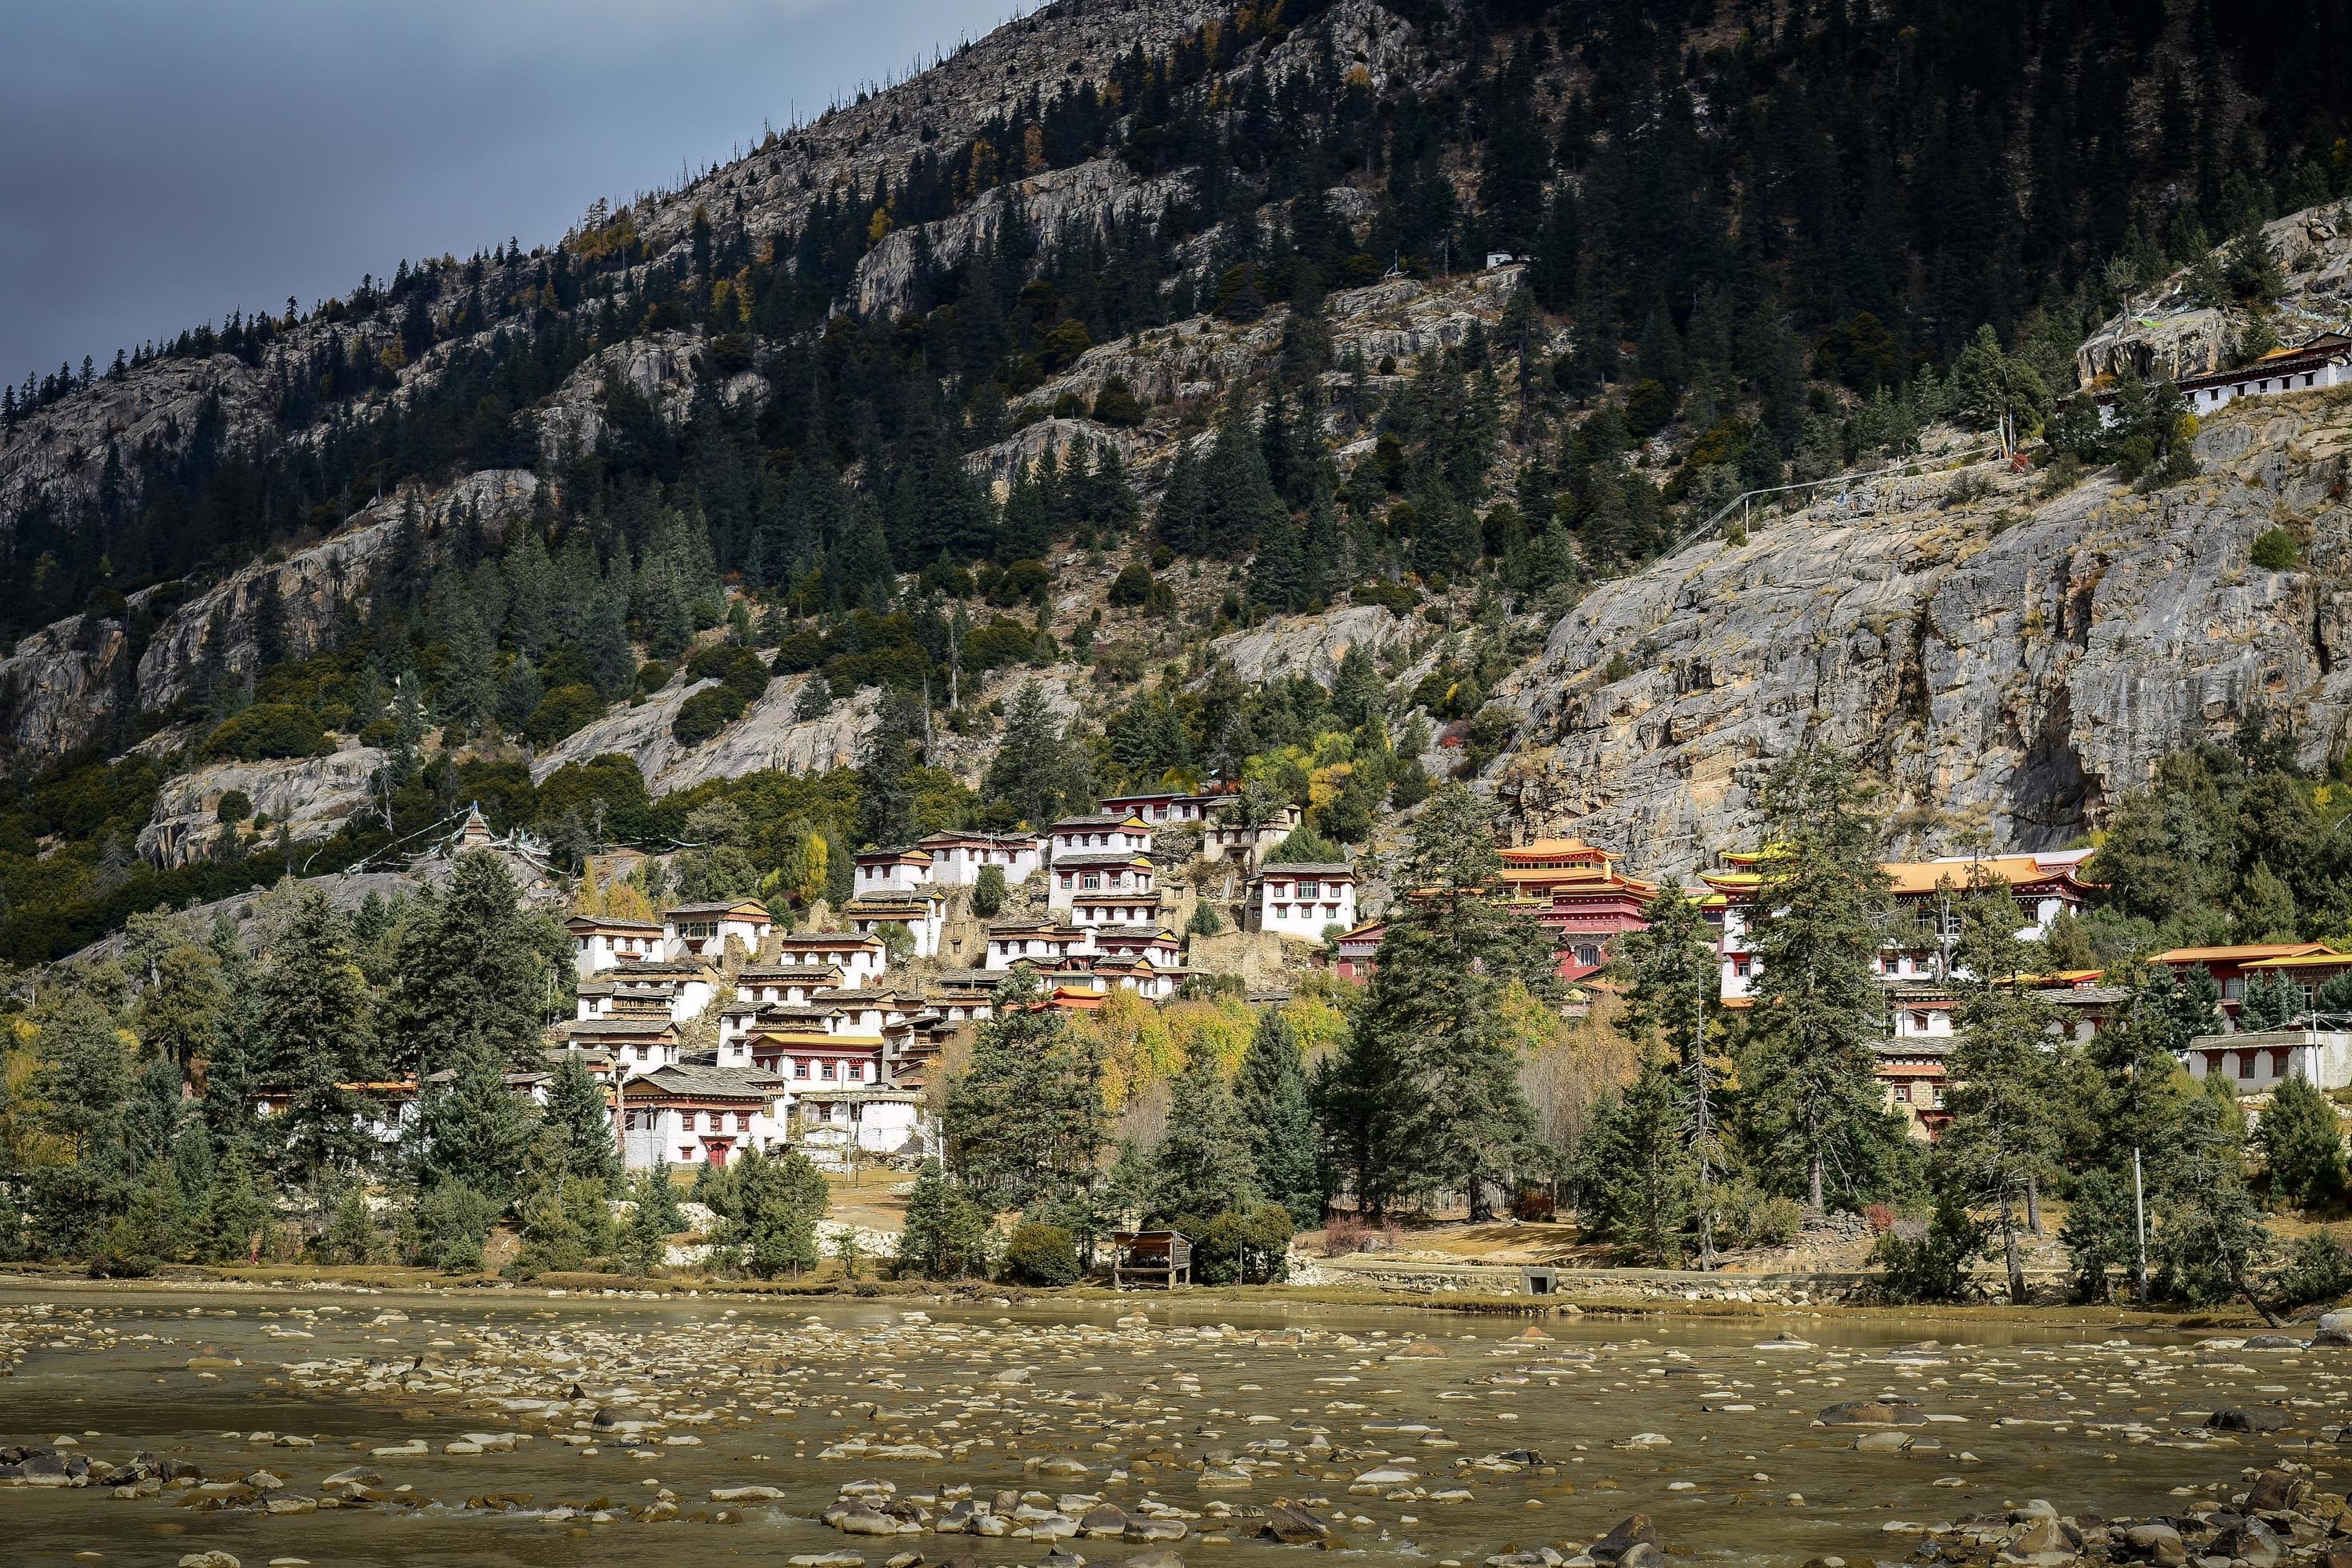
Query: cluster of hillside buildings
x,y
716,1029
1576,891
719,1030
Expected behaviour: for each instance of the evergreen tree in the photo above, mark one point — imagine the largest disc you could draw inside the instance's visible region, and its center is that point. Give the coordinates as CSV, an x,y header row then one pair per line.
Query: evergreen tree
x,y
1424,1095
2272,1001
1025,1125
2301,1141
945,1236
473,1132
576,1108
605,648
886,784
1820,912
1636,1184
474,971
1672,993
773,1207
314,1022
1036,771
2002,1140
1203,1167
1270,1092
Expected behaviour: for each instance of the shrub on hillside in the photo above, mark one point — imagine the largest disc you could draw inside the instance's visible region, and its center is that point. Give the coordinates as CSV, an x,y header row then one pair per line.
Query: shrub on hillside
x,y
706,713
1132,586
266,730
560,712
1116,404
987,892
2275,550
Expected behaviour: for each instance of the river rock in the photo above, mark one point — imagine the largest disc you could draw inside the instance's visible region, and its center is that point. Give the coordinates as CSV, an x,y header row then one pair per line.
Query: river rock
x,y
2159,1543
1872,1412
1104,1521
209,1559
1156,1559
2041,1544
2258,1420
2277,1491
2335,1329
1293,1525
1634,1530
2252,1542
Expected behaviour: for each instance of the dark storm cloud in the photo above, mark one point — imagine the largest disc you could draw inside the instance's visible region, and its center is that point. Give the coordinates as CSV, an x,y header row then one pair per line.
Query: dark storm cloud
x,y
161,164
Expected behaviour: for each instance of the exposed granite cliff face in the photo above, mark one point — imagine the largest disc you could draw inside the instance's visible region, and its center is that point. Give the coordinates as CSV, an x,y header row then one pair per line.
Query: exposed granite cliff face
x,y
61,687
2005,663
311,796
661,368
766,736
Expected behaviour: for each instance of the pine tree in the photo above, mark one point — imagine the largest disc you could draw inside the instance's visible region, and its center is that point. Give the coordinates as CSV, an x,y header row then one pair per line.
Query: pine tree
x,y
1036,771
576,1108
2002,1140
1025,1123
1270,1091
1425,1096
1820,912
1636,1184
2272,1001
473,971
886,785
775,1203
314,1035
474,1131
1203,1167
945,1236
2302,1140
1672,993
605,648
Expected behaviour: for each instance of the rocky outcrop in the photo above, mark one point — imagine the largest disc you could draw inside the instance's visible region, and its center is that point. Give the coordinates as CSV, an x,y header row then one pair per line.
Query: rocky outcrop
x,y
666,369
61,687
1027,446
309,796
766,736
2166,334
57,456
1055,202
311,584
1311,646
2004,663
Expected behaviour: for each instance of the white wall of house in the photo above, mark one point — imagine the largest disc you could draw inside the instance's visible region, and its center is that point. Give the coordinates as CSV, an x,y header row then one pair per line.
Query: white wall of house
x,y
896,875
1101,838
690,1135
706,936
2253,1061
1034,947
858,964
1070,883
1299,906
594,951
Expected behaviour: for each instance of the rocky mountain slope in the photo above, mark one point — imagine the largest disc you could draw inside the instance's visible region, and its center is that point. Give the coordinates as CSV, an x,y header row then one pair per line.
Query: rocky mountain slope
x,y
797,416
2011,662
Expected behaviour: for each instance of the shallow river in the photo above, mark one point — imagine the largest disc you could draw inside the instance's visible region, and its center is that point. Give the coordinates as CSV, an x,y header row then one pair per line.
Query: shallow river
x,y
1420,1436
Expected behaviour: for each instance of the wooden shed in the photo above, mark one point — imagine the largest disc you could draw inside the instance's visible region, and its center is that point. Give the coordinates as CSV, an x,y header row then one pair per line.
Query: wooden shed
x,y
1161,1257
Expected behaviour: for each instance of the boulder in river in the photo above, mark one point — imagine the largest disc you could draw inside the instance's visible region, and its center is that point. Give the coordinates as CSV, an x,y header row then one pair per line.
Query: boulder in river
x,y
2258,1420
1634,1530
1872,1413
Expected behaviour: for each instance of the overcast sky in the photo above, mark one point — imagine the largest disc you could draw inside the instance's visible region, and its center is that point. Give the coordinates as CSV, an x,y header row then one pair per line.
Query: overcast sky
x,y
163,162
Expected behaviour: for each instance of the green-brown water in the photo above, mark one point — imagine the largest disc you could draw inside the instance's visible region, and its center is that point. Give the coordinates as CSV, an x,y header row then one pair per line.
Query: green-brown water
x,y
1303,1402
